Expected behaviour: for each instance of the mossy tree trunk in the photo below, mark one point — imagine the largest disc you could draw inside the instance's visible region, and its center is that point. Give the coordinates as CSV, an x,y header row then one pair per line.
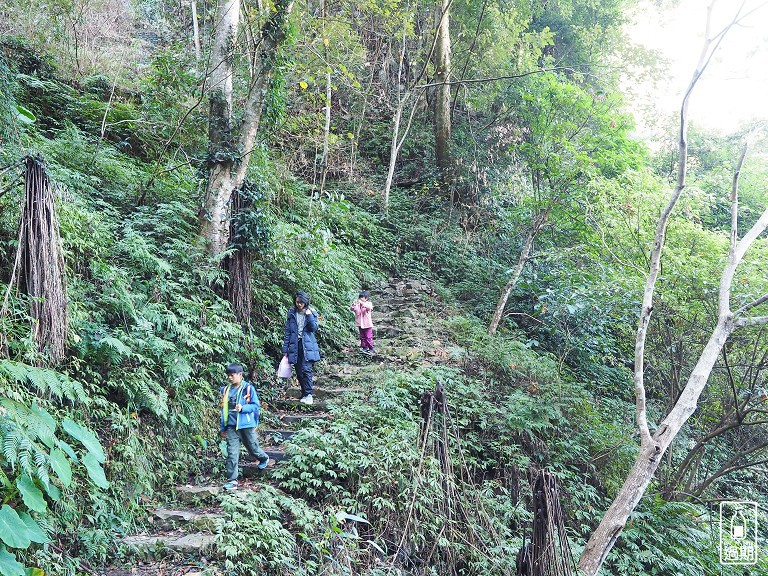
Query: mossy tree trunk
x,y
441,107
222,151
228,154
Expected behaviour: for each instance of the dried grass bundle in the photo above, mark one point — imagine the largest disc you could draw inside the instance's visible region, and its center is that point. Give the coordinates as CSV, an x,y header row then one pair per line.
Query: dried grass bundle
x,y
238,266
39,266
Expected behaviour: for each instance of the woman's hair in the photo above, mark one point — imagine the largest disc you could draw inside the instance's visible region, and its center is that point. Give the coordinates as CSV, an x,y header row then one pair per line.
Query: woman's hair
x,y
363,294
301,297
235,368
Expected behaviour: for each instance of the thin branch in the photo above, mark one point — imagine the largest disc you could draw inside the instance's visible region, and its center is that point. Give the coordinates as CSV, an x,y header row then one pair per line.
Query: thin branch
x,y
496,78
755,303
11,186
752,321
471,50
11,166
731,381
735,196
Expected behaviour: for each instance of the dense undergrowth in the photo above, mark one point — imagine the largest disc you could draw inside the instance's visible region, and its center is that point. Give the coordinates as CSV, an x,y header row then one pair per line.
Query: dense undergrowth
x,y
130,411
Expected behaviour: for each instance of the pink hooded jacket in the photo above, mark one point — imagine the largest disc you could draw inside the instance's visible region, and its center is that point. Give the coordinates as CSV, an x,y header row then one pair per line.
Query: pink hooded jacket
x,y
362,312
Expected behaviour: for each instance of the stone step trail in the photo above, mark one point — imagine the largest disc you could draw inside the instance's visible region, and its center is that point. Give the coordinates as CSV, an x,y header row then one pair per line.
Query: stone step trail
x,y
399,307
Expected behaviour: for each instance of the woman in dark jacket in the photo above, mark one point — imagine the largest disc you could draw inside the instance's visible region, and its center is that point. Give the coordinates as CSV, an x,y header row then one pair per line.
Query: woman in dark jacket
x,y
299,344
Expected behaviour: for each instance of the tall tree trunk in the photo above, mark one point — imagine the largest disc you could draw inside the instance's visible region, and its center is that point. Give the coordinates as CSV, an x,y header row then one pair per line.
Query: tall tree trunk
x,y
195,31
221,148
525,254
442,101
238,265
228,159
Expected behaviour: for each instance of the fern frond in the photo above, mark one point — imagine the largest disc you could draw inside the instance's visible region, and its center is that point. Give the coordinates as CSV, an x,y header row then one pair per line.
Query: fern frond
x,y
37,378
52,382
11,445
42,464
14,370
44,380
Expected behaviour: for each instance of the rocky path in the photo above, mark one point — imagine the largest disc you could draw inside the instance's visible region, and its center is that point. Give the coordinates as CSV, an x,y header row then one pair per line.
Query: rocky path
x,y
182,539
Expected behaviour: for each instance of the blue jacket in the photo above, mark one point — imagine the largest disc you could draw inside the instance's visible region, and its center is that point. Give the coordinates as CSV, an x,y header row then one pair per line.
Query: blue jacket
x,y
291,339
248,417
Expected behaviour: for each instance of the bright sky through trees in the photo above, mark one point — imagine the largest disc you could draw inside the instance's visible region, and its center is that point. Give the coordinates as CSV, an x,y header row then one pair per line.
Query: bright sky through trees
x,y
734,89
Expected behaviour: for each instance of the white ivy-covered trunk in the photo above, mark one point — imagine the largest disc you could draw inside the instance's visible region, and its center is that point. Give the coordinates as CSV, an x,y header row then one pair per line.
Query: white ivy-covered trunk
x,y
228,155
214,219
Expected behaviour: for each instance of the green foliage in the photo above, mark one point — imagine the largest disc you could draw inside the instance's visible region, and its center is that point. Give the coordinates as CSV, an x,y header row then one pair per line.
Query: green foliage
x,y
252,223
258,534
37,463
668,538
130,411
507,359
9,111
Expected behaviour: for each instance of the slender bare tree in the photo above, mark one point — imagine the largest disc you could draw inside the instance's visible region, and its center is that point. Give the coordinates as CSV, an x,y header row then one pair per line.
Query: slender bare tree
x,y
525,254
653,446
441,105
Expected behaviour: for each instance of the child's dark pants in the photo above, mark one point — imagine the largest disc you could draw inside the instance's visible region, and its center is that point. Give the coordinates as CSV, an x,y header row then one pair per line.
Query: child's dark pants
x,y
304,372
366,338
248,437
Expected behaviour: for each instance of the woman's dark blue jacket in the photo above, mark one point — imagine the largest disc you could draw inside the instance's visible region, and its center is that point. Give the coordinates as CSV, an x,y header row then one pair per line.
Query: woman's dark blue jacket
x,y
291,339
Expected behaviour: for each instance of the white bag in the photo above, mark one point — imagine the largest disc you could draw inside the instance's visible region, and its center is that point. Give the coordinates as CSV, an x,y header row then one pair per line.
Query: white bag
x,y
284,370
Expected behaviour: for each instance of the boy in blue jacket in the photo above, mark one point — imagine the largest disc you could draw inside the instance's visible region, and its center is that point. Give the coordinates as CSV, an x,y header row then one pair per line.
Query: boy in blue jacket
x,y
239,418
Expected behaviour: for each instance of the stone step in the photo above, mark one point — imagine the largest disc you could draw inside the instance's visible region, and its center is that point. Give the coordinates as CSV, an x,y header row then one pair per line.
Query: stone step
x,y
278,436
196,542
300,418
252,470
193,494
390,332
320,393
166,518
276,455
296,406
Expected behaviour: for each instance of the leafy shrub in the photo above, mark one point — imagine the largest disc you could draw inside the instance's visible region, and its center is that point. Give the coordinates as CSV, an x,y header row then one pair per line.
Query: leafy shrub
x,y
257,537
38,466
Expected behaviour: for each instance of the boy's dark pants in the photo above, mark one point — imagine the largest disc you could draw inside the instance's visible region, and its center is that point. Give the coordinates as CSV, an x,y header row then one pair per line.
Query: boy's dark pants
x,y
248,437
304,372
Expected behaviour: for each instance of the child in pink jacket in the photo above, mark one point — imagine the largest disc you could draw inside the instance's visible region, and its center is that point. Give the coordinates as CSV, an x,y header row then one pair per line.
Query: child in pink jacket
x,y
362,309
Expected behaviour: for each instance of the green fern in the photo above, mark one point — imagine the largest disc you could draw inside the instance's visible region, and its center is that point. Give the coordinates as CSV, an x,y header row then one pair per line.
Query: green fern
x,y
44,380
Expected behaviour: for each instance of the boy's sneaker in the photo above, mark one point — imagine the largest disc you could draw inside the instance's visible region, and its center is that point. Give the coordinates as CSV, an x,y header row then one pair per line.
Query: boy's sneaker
x,y
263,465
230,485
307,399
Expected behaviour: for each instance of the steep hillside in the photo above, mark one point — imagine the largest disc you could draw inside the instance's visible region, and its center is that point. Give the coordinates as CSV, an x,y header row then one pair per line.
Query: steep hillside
x,y
417,460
